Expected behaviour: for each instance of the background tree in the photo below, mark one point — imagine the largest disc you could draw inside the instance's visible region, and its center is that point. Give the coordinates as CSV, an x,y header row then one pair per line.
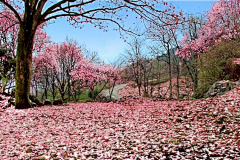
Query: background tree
x,y
156,53
37,12
45,66
222,25
9,29
53,67
134,61
190,30
216,64
165,36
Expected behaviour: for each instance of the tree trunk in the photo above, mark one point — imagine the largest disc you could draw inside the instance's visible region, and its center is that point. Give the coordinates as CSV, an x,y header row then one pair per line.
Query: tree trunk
x,y
178,77
36,91
53,88
45,89
195,81
23,65
62,95
139,90
193,72
111,89
170,74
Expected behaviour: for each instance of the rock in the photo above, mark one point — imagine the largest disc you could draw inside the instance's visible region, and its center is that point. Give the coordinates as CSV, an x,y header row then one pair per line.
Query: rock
x,y
35,100
58,102
33,104
219,88
102,99
183,95
157,98
47,102
105,98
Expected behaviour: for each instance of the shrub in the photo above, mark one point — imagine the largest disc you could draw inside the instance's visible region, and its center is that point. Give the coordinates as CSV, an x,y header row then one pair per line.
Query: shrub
x,y
217,64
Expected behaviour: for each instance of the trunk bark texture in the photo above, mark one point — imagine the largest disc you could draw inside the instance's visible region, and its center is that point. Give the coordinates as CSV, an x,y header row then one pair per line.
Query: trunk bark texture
x,y
170,74
178,83
24,62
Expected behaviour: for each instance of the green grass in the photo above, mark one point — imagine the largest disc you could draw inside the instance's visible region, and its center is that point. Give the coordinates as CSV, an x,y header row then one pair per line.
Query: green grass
x,y
84,97
158,81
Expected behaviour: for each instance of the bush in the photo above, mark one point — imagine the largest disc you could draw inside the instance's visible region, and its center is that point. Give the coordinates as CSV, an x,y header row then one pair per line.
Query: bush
x,y
217,64
157,82
201,90
92,95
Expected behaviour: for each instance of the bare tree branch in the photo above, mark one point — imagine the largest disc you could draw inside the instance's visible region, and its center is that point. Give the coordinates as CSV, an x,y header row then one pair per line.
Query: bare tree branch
x,y
12,9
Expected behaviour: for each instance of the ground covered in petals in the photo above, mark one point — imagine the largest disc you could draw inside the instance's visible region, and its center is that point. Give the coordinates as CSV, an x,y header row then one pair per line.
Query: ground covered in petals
x,y
202,129
161,89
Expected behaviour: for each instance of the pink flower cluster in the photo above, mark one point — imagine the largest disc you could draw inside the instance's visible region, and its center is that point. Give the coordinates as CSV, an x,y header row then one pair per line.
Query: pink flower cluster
x,y
222,23
65,62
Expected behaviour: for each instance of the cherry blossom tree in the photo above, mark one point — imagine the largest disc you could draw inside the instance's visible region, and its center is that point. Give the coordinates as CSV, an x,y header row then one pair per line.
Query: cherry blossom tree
x,y
44,68
9,29
68,56
89,75
113,78
63,68
222,23
55,65
190,31
78,12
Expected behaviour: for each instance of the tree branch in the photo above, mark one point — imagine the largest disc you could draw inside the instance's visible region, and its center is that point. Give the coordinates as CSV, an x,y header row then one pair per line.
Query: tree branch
x,y
12,9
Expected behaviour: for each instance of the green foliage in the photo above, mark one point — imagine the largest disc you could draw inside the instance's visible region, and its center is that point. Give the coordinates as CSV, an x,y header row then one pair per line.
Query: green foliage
x,y
89,94
201,90
84,97
217,64
220,121
180,99
13,61
159,81
4,82
192,99
96,91
81,96
176,142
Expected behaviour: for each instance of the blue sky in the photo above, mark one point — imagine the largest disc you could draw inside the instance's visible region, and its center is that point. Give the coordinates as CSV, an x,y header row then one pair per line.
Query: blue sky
x,y
108,44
